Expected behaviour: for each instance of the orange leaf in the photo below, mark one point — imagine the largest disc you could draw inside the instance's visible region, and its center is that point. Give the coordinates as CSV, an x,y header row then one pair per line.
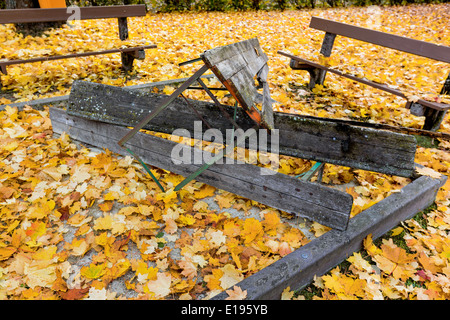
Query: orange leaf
x,y
73,294
7,252
106,206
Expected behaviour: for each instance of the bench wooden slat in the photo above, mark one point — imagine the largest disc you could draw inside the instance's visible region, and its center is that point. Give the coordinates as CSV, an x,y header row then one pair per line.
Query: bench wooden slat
x,y
62,14
430,104
75,55
417,47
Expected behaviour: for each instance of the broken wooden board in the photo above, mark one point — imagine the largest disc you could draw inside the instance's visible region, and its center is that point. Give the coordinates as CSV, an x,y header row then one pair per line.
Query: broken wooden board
x,y
325,205
323,140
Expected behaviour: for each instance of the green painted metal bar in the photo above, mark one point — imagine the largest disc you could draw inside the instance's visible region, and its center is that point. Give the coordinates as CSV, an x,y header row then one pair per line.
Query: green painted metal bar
x,y
216,158
189,61
146,169
306,176
208,164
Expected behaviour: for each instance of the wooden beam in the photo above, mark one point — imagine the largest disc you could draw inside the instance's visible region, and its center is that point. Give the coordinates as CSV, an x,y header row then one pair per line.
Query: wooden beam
x,y
313,201
324,140
417,47
62,14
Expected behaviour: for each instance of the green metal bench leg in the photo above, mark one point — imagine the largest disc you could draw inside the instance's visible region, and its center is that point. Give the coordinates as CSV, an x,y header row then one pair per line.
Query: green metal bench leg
x,y
146,169
306,176
216,158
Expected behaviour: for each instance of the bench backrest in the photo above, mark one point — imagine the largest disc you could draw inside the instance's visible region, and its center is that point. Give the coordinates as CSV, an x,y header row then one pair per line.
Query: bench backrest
x,y
236,66
417,47
63,14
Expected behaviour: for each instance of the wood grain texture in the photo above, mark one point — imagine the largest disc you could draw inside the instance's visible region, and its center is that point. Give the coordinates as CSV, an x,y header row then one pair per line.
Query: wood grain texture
x,y
324,140
327,206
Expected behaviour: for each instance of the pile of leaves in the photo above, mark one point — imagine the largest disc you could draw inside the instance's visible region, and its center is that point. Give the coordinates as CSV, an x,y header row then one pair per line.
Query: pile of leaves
x,y
78,223
61,203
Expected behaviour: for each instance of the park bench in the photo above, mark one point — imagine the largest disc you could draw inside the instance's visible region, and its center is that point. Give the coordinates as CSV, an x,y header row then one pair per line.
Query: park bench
x,y
434,112
63,14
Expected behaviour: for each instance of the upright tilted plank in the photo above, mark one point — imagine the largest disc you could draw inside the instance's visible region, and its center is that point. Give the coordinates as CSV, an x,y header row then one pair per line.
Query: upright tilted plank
x,y
236,66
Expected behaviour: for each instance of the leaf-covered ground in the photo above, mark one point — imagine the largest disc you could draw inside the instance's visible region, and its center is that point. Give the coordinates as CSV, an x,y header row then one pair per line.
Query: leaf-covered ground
x,y
81,223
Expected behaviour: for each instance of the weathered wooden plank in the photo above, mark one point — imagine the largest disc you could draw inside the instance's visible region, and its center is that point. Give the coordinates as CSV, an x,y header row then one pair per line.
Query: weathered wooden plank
x,y
313,201
325,140
228,52
417,47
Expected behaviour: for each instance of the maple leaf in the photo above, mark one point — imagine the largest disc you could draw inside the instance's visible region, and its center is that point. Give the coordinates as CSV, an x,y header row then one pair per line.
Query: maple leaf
x,y
284,249
103,223
189,269
217,238
80,174
106,206
225,200
7,252
168,197
370,247
251,230
40,276
161,286
45,253
79,247
59,284
294,237
236,294
171,226
428,263
204,192
98,294
230,276
287,294
93,271
271,223
200,206
396,254
319,229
